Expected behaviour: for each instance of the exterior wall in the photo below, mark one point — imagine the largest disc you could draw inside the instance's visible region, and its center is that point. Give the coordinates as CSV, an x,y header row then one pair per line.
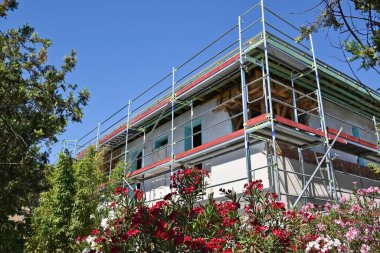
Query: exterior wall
x,y
223,170
352,118
292,183
231,165
214,124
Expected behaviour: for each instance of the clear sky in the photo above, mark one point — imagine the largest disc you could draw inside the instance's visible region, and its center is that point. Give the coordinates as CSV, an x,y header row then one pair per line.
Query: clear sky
x,y
123,46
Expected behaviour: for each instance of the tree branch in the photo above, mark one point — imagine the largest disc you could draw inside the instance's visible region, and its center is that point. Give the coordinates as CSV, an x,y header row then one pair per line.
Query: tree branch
x,y
348,25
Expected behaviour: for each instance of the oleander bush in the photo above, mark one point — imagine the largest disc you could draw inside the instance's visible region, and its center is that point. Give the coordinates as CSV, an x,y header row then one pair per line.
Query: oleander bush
x,y
188,221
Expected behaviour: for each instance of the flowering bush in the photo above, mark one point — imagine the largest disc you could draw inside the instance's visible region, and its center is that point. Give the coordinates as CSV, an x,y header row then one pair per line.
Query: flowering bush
x,y
253,221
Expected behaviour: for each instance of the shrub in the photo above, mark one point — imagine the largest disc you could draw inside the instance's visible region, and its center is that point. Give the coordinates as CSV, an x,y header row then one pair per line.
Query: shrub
x,y
184,222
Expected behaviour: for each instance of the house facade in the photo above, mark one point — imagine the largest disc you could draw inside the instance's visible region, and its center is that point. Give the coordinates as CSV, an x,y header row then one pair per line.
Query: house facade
x,y
261,108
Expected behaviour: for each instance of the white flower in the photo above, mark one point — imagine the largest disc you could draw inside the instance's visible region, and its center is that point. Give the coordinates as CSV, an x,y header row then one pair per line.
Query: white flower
x,y
104,223
326,242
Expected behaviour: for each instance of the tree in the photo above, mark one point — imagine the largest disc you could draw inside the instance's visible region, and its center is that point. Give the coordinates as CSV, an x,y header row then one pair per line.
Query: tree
x,y
89,176
36,104
7,5
69,209
358,23
51,220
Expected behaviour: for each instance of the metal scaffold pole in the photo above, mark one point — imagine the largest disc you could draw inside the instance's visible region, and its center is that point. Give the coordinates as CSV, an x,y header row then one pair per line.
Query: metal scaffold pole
x,y
97,137
270,103
172,127
126,140
191,123
75,148
244,102
264,87
330,168
110,166
377,133
143,149
318,167
295,112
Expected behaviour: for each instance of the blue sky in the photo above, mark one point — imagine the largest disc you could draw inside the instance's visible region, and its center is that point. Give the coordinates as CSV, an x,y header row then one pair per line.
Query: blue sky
x,y
125,46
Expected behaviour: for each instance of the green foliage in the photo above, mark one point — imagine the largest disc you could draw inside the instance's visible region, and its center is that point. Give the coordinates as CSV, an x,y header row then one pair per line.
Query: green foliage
x,y
116,177
88,176
70,207
50,221
7,5
358,24
36,104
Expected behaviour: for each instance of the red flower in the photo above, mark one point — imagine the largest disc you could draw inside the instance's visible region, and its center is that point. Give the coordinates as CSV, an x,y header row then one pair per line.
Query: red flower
x,y
161,234
253,186
120,190
278,205
95,231
215,244
282,234
138,194
132,232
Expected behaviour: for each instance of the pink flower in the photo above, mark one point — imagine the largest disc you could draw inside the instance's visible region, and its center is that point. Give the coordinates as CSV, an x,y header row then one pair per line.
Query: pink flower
x,y
365,248
307,207
343,200
355,209
352,234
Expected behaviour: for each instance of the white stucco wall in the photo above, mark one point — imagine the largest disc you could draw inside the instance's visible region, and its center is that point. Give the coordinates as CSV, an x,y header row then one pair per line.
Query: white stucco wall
x,y
230,166
346,119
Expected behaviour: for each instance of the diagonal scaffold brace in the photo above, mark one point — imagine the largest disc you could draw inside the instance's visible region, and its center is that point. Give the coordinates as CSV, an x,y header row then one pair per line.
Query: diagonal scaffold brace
x,y
318,167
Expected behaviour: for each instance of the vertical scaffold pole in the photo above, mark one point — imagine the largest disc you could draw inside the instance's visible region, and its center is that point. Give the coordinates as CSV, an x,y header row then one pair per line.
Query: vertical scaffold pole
x,y
172,127
274,148
75,148
295,112
329,164
377,134
110,166
191,123
126,140
244,102
143,150
97,137
264,87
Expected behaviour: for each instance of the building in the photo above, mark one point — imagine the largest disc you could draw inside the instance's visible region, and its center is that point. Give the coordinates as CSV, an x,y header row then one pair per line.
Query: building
x,y
251,105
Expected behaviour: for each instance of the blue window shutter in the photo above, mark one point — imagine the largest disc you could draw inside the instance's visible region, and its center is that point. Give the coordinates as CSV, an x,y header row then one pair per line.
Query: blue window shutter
x,y
187,138
134,161
362,162
355,132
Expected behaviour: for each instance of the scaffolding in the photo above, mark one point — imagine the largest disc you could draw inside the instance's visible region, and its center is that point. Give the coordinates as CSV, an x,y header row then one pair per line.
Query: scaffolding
x,y
269,107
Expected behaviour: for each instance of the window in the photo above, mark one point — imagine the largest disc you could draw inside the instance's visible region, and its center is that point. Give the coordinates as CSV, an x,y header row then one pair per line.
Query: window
x,y
136,159
161,142
197,135
195,140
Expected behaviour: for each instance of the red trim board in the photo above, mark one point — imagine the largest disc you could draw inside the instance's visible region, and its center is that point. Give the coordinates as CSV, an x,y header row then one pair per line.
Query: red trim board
x,y
352,138
151,166
207,75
